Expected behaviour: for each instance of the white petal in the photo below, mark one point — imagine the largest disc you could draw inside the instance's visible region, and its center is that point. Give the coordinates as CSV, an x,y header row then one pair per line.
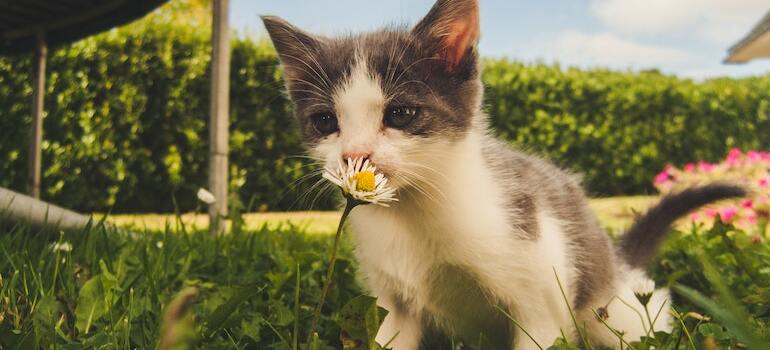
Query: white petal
x,y
205,196
333,179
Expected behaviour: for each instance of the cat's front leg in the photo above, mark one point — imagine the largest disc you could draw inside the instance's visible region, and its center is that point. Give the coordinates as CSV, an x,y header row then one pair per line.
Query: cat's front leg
x,y
545,337
402,328
544,321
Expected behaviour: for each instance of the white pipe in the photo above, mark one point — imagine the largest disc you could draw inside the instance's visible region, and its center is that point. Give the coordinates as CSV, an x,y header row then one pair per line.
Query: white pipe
x,y
19,207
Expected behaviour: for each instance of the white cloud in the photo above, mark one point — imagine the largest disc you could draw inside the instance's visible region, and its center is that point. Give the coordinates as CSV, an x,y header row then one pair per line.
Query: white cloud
x,y
644,16
728,21
721,21
610,50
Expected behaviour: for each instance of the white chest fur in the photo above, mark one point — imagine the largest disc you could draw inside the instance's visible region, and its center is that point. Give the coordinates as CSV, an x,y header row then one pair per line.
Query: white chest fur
x,y
462,222
455,257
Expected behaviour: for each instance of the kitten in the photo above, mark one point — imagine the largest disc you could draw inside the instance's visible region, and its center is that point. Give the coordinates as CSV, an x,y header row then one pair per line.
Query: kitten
x,y
480,228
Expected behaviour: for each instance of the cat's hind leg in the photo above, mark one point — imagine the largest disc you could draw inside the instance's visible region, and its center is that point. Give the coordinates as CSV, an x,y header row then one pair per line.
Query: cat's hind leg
x,y
623,314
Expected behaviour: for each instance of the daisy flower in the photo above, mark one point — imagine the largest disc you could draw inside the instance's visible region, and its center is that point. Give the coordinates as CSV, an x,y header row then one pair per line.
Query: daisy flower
x,y
61,247
361,184
205,196
360,181
643,290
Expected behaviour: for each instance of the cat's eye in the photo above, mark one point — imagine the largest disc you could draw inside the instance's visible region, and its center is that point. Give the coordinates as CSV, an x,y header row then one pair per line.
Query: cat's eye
x,y
324,123
400,117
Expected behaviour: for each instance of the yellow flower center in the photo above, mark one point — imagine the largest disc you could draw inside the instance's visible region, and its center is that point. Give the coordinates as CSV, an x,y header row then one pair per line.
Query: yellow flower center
x,y
365,181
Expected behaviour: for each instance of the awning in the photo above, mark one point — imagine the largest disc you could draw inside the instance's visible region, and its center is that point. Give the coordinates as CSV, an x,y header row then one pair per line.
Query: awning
x,y
63,21
756,44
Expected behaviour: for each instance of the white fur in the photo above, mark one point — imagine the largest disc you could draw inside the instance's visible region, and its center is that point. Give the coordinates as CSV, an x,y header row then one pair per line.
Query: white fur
x,y
626,314
452,214
359,104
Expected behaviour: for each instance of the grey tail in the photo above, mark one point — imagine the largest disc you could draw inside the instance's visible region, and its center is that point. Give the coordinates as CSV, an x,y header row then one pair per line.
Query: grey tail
x,y
640,243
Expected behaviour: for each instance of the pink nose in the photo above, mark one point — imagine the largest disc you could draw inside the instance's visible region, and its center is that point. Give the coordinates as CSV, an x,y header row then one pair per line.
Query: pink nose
x,y
355,155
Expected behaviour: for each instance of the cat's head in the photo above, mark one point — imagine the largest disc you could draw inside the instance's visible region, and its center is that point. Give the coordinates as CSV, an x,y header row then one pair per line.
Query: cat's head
x,y
399,96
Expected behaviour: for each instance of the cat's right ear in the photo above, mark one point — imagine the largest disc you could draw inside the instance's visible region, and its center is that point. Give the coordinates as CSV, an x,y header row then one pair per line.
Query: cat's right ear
x,y
294,46
452,28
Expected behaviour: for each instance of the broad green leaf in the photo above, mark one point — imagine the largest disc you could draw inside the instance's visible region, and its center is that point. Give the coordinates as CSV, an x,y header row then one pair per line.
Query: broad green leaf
x,y
217,319
280,314
94,298
360,319
47,312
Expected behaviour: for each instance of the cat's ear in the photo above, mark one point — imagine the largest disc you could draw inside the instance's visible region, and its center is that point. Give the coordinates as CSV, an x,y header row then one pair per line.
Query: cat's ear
x,y
294,46
452,27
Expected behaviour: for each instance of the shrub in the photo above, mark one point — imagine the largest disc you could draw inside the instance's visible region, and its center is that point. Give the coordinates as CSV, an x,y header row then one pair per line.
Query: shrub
x,y
126,123
750,170
619,129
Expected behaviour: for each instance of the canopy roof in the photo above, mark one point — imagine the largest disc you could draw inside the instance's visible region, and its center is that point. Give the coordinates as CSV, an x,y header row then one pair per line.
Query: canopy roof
x,y
756,44
63,21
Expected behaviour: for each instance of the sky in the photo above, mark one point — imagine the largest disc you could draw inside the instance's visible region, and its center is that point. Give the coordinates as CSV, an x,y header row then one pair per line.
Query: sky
x,y
684,37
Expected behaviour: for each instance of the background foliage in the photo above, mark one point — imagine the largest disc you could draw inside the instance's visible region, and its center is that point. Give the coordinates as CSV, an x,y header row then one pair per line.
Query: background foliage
x,y
126,124
619,129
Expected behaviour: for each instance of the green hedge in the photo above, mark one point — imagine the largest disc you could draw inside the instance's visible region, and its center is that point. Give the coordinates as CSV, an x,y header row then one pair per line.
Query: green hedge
x,y
619,129
126,124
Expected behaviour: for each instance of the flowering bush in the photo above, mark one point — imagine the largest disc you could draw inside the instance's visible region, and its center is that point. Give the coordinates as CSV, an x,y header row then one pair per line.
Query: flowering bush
x,y
750,169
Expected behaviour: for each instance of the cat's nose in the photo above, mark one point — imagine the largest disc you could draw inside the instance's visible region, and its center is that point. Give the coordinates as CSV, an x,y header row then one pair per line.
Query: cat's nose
x,y
355,155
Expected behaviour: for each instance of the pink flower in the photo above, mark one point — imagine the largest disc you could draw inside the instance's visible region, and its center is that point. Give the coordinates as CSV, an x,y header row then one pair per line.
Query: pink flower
x,y
754,156
747,203
664,176
705,166
728,214
734,156
750,216
661,178
763,182
710,213
695,216
689,167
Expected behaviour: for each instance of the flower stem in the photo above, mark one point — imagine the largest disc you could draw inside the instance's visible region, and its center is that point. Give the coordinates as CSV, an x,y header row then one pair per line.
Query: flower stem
x,y
651,331
351,203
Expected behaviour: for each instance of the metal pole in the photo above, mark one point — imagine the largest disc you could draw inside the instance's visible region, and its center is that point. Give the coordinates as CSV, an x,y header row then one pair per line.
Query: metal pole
x,y
38,93
219,119
19,207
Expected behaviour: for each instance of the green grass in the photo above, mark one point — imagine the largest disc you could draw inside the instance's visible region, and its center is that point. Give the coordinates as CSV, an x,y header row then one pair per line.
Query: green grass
x,y
257,288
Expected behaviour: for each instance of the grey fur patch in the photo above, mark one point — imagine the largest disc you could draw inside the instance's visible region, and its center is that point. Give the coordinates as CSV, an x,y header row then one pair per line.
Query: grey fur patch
x,y
512,168
533,180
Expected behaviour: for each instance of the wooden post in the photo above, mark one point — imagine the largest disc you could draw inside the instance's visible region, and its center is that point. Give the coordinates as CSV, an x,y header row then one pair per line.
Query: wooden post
x,y
38,93
219,118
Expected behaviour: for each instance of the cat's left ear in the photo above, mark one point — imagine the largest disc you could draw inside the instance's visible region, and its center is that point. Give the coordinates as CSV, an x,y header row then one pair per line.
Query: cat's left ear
x,y
452,28
294,46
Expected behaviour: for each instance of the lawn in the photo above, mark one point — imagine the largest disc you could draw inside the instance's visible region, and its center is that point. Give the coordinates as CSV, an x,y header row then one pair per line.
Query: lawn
x,y
256,288
615,213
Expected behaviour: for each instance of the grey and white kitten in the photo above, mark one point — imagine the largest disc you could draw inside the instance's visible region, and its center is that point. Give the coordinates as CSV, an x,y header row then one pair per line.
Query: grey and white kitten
x,y
479,227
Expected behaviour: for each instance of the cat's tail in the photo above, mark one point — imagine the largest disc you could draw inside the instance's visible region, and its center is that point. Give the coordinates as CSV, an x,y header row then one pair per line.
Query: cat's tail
x,y
639,244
